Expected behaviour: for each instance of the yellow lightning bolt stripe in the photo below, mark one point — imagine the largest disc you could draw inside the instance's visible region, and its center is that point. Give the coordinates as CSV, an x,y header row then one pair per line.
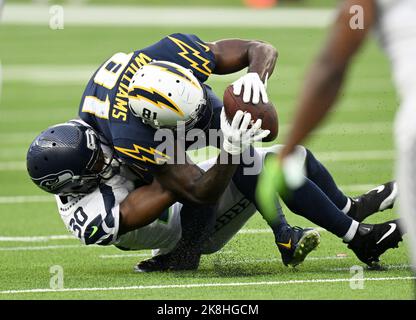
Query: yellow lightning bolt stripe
x,y
185,54
206,48
185,76
135,154
174,107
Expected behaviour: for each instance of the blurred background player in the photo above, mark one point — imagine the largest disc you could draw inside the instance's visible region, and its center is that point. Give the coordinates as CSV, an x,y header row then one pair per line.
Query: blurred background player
x,y
395,26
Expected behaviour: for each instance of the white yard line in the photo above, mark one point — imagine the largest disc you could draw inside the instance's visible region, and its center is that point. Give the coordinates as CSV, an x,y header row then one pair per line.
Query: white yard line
x,y
254,261
204,285
70,237
61,74
12,165
48,74
52,247
129,255
267,230
356,188
25,199
37,238
388,267
330,156
29,14
355,155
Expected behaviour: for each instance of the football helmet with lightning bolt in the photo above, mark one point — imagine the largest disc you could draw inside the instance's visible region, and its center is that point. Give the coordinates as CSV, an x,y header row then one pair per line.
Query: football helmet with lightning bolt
x,y
162,93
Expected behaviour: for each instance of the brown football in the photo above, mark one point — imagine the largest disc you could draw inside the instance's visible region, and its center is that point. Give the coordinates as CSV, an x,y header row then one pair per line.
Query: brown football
x,y
264,111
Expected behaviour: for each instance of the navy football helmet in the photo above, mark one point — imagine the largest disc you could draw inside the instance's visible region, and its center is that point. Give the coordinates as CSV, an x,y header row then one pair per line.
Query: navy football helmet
x,y
67,159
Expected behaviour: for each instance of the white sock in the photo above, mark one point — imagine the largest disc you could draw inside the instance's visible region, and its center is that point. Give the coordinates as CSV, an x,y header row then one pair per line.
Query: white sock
x,y
347,207
351,231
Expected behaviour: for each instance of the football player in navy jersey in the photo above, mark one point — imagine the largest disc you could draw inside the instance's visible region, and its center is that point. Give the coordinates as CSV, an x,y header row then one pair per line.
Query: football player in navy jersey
x,y
132,96
113,104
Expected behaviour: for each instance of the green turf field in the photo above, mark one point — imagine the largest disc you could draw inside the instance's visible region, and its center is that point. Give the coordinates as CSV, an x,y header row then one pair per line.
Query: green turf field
x,y
356,145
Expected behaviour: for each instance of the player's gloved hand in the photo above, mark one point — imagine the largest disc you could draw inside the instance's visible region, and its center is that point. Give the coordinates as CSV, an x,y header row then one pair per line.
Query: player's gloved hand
x,y
251,83
237,135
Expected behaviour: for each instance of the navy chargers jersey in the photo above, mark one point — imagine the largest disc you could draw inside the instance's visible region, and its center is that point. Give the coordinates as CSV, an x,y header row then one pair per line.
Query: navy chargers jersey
x,y
104,104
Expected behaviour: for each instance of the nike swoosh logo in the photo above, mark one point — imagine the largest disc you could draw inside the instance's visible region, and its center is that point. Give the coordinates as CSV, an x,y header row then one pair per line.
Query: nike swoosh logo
x,y
285,245
366,229
94,230
378,189
393,227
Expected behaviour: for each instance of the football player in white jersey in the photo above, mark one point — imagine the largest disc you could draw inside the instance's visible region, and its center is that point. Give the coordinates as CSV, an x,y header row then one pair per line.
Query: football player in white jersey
x,y
394,24
103,202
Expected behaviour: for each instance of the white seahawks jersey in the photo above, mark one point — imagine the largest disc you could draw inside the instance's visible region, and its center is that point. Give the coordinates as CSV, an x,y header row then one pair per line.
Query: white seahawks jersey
x,y
95,218
396,29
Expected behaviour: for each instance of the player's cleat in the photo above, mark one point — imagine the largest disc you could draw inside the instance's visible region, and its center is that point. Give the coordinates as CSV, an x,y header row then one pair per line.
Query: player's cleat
x,y
182,258
296,243
166,262
375,200
372,240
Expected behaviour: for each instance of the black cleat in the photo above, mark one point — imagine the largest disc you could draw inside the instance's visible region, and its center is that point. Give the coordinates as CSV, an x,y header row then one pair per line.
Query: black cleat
x,y
166,262
296,243
179,259
372,240
375,200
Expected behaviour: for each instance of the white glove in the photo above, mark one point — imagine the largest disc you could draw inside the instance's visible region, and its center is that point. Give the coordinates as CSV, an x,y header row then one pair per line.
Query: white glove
x,y
251,82
237,136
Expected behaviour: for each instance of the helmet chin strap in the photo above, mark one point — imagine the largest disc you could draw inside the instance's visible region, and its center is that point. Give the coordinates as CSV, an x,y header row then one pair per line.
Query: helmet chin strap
x,y
111,167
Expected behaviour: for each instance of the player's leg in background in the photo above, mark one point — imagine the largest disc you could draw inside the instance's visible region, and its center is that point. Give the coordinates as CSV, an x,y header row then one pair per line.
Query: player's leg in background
x,y
309,201
312,203
318,174
359,208
405,137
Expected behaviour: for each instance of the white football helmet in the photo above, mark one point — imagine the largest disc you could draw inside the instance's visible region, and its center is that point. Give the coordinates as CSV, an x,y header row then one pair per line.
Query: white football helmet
x,y
162,93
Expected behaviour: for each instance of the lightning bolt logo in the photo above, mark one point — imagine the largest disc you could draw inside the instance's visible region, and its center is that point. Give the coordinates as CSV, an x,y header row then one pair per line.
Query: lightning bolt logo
x,y
154,97
139,153
176,71
206,48
188,50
